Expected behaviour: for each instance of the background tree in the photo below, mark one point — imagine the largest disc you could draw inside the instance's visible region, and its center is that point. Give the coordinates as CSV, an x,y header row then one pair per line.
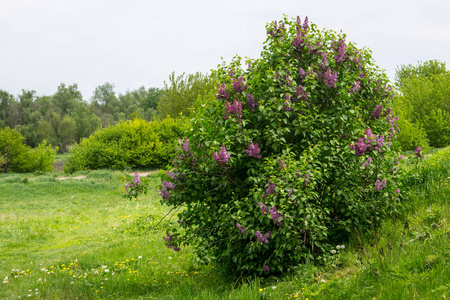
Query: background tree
x,y
423,103
405,73
179,96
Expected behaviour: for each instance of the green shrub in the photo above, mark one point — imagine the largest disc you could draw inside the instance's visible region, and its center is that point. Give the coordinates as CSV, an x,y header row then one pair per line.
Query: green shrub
x,y
15,156
411,135
292,155
131,144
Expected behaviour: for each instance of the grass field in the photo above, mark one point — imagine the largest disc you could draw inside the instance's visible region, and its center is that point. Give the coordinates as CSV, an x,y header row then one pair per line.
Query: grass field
x,y
79,239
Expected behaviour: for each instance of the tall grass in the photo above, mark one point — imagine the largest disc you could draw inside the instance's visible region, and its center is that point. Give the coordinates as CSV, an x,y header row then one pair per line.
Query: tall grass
x,y
79,239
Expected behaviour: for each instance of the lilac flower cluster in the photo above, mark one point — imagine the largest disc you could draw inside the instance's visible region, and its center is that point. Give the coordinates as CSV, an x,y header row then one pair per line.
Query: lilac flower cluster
x,y
238,85
270,189
341,48
266,268
356,87
184,146
263,208
275,216
222,92
131,187
367,163
330,79
233,109
369,142
300,93
418,152
263,238
306,180
242,229
276,31
253,150
222,157
298,41
377,112
287,104
379,186
168,239
165,189
136,179
251,102
290,193
172,175
302,73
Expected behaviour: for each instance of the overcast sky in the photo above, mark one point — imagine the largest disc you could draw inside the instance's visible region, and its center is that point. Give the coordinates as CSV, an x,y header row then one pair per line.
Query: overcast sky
x,y
137,43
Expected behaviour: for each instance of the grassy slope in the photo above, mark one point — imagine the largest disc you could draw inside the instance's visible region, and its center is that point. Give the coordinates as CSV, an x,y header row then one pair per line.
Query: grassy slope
x,y
79,239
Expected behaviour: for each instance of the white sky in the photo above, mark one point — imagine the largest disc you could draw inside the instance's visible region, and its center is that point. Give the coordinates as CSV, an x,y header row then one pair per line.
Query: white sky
x,y
141,42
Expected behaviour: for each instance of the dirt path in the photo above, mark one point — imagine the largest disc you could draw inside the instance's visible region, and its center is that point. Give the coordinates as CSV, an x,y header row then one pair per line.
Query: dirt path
x,y
141,174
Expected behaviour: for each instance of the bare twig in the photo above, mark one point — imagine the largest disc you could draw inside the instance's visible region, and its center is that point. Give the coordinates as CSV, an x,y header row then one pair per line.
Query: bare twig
x,y
237,280
163,218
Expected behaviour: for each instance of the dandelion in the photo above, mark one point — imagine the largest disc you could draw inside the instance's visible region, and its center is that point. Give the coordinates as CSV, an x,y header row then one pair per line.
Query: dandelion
x,y
274,288
170,257
139,257
333,251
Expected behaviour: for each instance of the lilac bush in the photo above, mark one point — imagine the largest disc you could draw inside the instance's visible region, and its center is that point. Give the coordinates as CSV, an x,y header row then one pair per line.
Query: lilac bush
x,y
292,153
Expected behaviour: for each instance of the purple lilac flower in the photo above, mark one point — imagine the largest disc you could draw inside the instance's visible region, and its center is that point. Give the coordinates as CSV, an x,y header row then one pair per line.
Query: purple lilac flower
x,y
290,193
270,189
231,72
302,73
253,150
242,229
339,57
360,147
136,179
266,268
300,92
275,216
263,238
251,102
185,145
377,112
356,87
164,193
305,24
306,181
222,157
330,79
222,92
287,103
379,186
233,109
238,85
168,185
397,191
367,163
298,41
400,157
263,208
418,152
169,237
282,165
172,175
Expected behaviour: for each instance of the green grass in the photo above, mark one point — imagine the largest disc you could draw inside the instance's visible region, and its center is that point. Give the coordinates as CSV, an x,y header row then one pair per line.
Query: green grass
x,y
79,239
